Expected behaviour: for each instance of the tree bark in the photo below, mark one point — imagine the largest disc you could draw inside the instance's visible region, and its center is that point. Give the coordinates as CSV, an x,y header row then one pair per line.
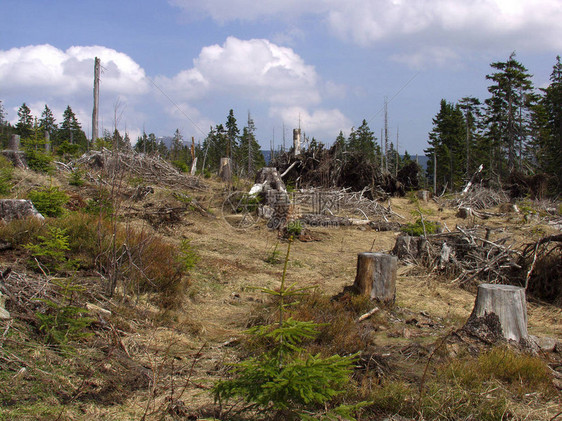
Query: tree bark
x,y
376,276
225,171
508,303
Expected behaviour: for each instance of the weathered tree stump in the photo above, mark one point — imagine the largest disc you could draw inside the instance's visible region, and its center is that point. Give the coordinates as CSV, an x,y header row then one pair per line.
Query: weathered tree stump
x,y
423,195
508,303
407,246
376,276
14,143
225,171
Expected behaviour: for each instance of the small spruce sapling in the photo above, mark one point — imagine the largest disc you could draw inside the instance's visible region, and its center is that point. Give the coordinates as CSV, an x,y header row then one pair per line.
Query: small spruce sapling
x,y
285,378
64,322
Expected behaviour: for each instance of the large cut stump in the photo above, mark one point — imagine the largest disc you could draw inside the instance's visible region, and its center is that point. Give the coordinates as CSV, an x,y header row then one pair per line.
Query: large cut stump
x,y
507,302
376,276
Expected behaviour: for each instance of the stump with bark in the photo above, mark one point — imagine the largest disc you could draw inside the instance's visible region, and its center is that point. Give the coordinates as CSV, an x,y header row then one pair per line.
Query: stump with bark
x,y
507,302
376,276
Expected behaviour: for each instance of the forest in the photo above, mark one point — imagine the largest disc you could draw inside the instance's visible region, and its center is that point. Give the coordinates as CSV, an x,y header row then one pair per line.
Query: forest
x,y
515,133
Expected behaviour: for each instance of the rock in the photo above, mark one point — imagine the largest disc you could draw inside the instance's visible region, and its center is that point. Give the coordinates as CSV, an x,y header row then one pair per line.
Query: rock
x,y
544,343
18,209
4,314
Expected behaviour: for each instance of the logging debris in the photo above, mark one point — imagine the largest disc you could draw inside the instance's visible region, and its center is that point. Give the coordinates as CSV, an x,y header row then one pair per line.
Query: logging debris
x,y
150,168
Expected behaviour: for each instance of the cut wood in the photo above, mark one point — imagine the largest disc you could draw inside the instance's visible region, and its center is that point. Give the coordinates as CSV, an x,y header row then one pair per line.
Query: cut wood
x,y
367,315
376,276
508,303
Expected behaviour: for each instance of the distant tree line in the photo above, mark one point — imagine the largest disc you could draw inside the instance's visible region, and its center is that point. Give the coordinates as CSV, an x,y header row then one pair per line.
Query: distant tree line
x,y
515,133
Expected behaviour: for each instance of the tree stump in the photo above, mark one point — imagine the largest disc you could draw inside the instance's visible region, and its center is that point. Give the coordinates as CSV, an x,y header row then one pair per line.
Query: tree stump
x,y
14,143
508,303
225,171
423,195
376,276
407,246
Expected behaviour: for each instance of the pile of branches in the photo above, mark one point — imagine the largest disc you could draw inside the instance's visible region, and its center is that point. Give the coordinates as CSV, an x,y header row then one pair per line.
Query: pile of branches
x,y
479,198
468,257
151,168
354,204
329,168
543,263
27,293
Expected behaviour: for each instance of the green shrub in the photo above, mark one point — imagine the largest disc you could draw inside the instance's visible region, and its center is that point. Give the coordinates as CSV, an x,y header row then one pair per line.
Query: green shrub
x,y
180,165
70,149
39,161
417,229
101,204
51,249
6,171
49,201
75,178
295,228
64,322
187,256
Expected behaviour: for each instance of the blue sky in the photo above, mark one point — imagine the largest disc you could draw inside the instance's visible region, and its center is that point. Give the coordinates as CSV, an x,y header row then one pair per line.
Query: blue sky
x,y
330,64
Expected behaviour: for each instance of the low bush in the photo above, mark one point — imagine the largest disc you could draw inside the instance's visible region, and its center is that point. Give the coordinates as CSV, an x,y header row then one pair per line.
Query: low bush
x,y
6,171
39,161
420,228
49,201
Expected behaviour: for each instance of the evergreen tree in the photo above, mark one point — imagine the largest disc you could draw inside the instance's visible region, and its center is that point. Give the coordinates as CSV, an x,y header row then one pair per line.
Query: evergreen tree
x,y
215,145
471,109
446,142
250,157
507,110
24,126
47,123
70,129
363,141
2,115
232,133
177,146
547,128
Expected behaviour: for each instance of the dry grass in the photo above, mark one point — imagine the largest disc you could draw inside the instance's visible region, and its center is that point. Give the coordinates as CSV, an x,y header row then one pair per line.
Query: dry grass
x,y
216,306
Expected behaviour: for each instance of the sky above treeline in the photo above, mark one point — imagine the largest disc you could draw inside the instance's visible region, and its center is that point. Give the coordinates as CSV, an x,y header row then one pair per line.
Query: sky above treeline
x,y
323,64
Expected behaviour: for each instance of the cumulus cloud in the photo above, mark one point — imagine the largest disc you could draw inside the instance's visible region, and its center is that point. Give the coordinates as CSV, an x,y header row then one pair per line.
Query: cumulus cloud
x,y
320,122
256,69
68,72
481,24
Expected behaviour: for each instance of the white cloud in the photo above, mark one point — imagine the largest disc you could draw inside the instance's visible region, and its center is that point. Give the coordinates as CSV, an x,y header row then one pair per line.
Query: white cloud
x,y
69,72
321,122
428,56
256,69
478,24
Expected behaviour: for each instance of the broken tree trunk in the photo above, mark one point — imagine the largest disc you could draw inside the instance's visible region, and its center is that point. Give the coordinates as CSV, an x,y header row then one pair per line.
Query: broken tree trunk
x,y
508,303
376,276
225,171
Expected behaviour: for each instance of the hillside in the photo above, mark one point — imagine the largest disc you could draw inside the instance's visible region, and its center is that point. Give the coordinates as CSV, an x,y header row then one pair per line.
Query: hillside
x,y
186,286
